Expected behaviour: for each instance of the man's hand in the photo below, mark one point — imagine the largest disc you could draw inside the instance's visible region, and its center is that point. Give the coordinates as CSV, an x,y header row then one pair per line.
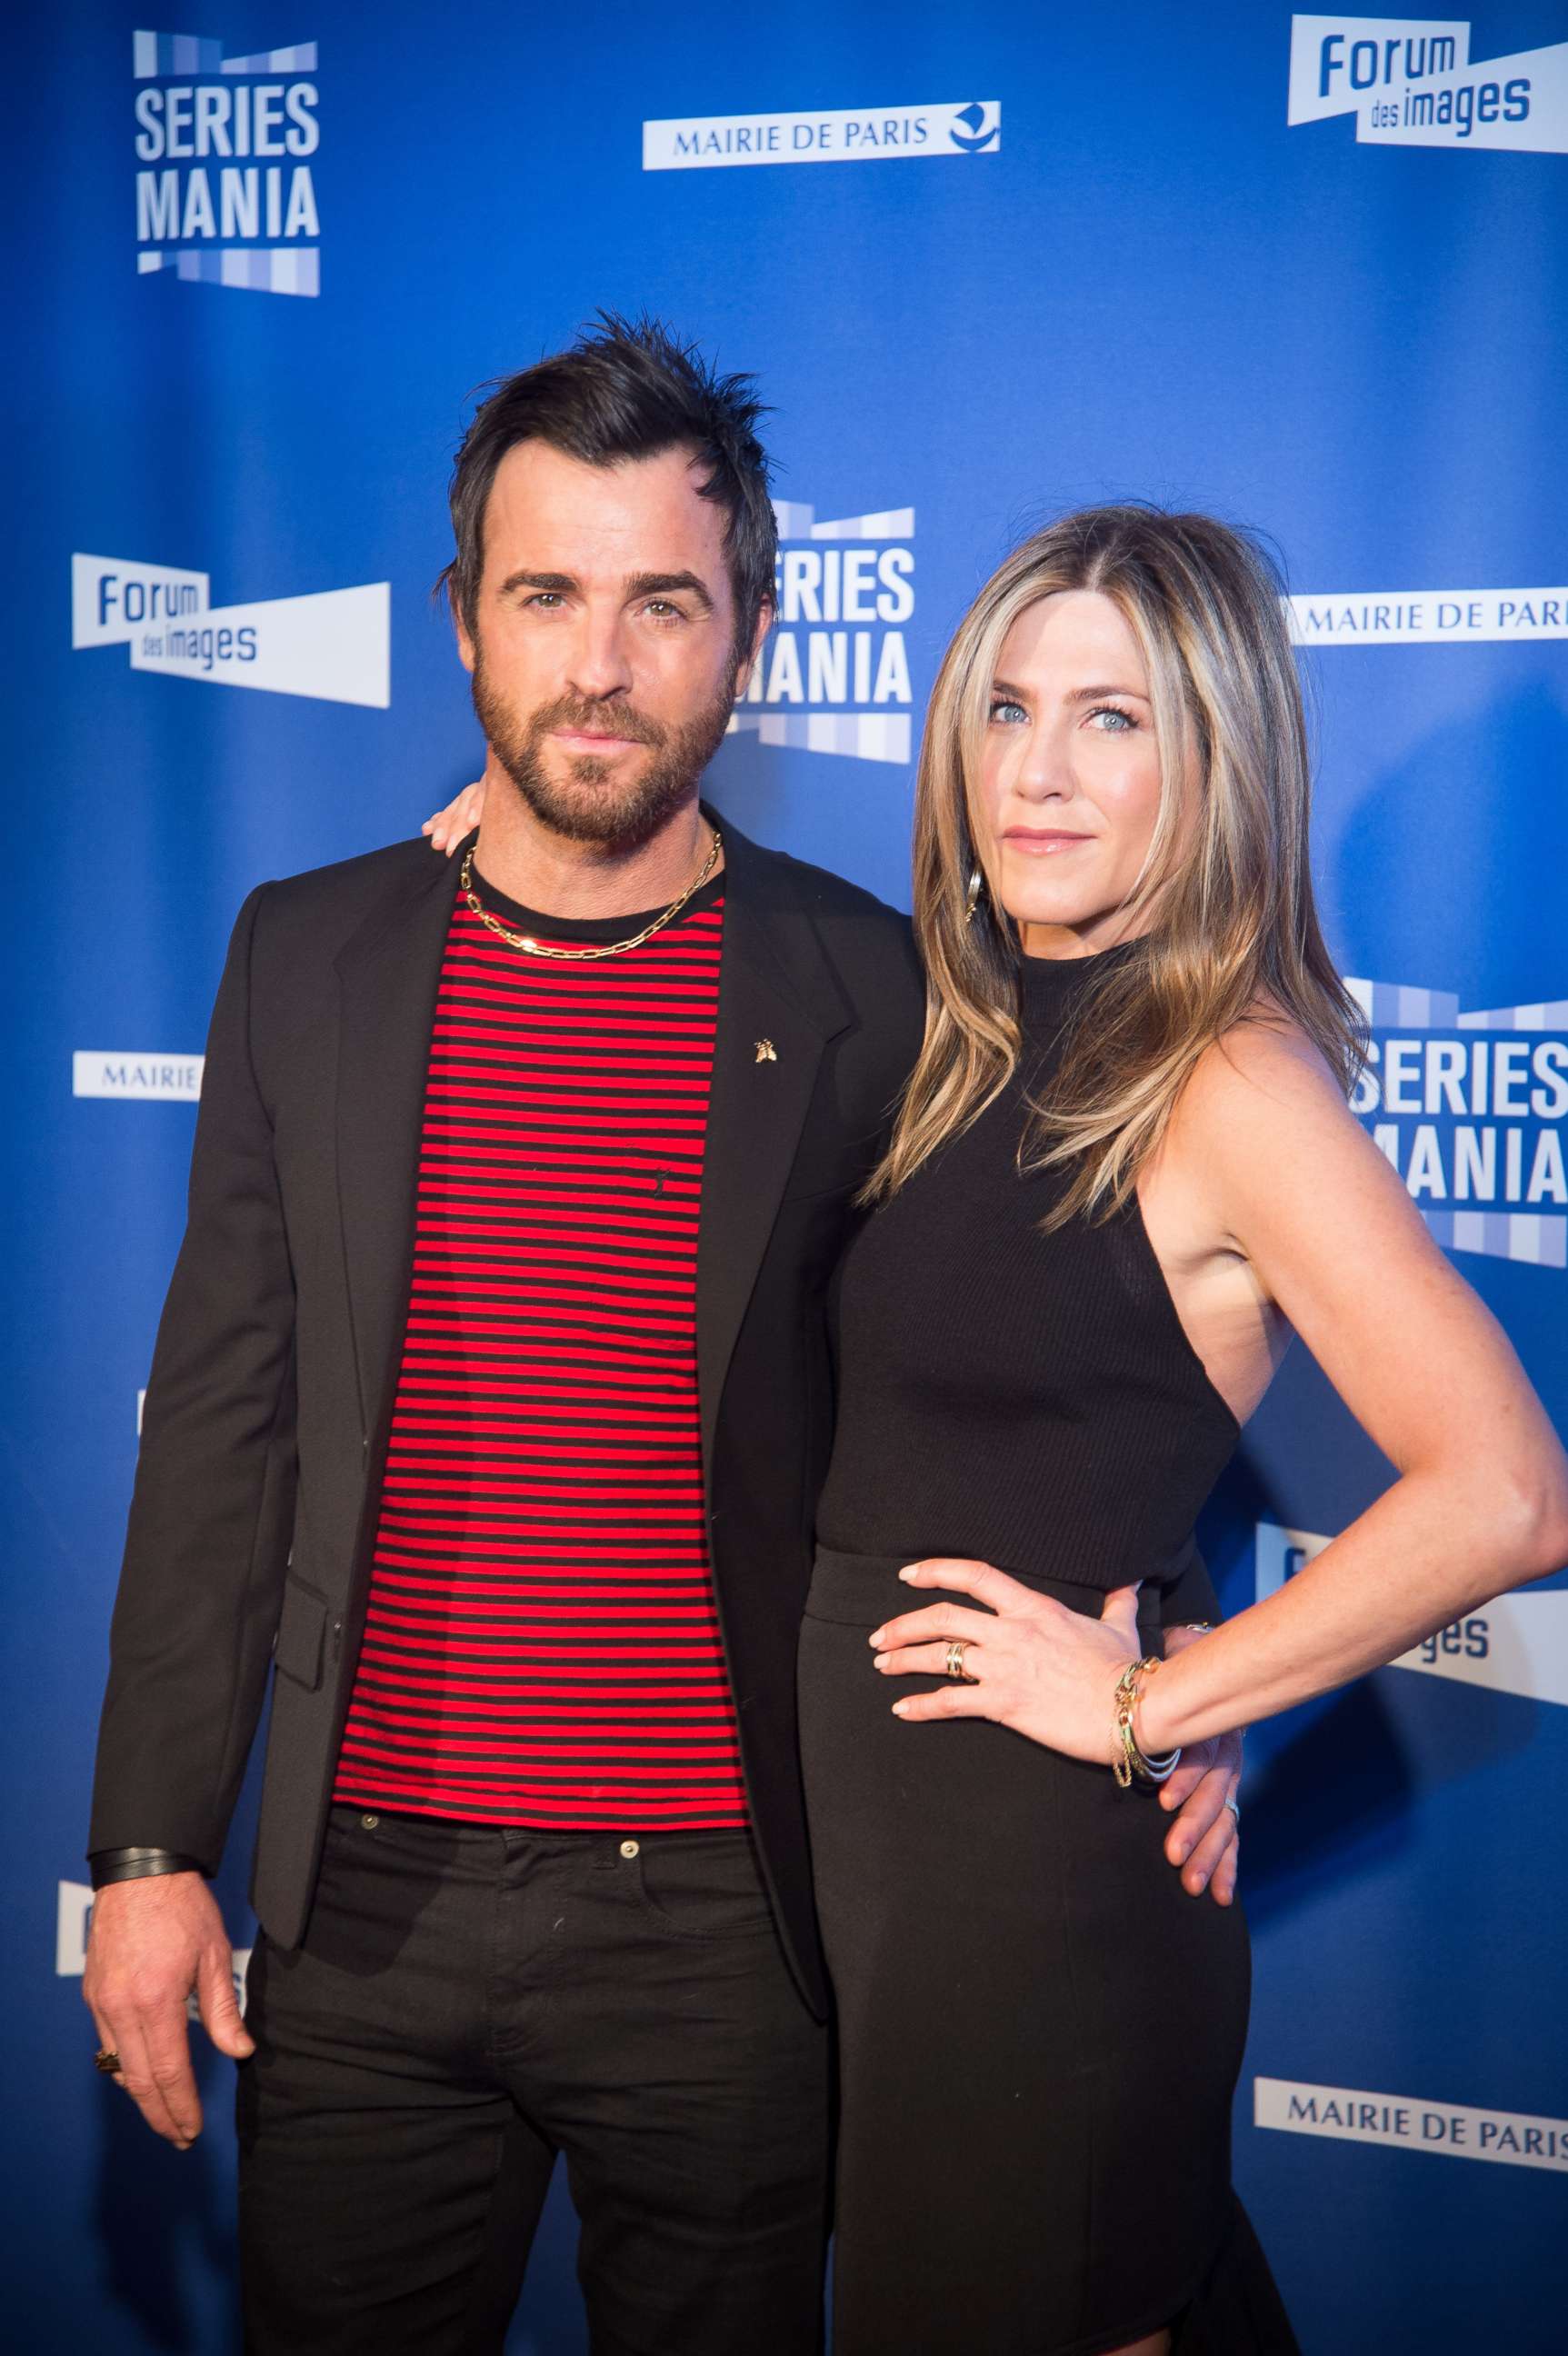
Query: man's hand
x,y
152,1942
1205,1839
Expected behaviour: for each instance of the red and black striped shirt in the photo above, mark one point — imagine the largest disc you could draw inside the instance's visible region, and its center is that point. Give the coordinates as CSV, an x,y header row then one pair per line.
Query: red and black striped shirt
x,y
542,1645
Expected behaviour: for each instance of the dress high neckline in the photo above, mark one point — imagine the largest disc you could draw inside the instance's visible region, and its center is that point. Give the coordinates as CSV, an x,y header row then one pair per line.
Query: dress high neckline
x,y
1047,985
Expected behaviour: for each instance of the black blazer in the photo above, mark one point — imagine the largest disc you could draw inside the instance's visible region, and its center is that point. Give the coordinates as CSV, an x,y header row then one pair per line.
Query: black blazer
x,y
268,1407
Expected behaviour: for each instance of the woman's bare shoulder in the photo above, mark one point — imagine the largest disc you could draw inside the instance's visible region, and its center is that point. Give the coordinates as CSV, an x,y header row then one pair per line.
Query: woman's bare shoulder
x,y
1264,1066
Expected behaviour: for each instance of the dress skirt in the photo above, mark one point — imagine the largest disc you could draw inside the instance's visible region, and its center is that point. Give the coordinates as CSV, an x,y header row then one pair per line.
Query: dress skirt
x,y
1040,2030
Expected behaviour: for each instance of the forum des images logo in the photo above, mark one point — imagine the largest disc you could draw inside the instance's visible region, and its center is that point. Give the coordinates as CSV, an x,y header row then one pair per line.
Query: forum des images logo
x,y
224,189
1410,82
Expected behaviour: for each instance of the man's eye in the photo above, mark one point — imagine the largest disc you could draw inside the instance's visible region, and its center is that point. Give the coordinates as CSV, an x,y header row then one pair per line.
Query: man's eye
x,y
543,597
661,606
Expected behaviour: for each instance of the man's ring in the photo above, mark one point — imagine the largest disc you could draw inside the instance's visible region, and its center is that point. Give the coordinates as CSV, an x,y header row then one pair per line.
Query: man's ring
x,y
108,2061
955,1668
1235,1808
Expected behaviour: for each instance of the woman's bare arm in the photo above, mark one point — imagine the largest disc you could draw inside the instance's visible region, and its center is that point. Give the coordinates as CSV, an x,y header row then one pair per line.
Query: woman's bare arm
x,y
1481,1501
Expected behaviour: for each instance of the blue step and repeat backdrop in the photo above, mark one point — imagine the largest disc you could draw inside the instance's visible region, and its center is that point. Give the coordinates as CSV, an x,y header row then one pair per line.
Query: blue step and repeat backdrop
x,y
1307,272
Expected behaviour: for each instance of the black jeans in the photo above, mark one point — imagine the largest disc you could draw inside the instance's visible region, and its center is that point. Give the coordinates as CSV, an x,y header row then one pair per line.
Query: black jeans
x,y
468,2002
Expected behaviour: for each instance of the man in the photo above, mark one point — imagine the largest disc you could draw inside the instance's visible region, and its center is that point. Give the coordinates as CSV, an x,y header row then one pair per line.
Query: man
x,y
491,1404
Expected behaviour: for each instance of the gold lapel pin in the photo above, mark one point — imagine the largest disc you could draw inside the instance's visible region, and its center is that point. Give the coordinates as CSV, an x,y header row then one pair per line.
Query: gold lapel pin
x,y
767,1052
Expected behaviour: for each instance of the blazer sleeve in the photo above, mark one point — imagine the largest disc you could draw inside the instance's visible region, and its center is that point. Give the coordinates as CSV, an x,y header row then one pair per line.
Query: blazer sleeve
x,y
211,1513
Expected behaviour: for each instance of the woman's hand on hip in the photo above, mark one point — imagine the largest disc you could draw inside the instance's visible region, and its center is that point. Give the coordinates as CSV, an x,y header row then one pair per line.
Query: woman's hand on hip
x,y
1027,1662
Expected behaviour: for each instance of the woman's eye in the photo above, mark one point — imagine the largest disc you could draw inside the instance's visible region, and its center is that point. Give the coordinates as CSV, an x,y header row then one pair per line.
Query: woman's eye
x,y
1122,720
1003,709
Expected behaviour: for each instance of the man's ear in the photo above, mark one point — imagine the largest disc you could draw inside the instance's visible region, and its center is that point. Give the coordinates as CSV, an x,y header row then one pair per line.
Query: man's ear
x,y
764,620
466,652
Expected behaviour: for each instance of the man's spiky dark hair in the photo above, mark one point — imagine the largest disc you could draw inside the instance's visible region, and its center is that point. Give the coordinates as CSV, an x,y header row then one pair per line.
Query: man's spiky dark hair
x,y
625,388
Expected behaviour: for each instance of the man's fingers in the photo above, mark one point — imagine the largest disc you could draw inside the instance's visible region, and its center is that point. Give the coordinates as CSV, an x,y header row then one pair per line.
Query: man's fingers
x,y
106,2044
1222,1881
219,2006
150,1944
139,2077
168,2061
1199,1812
1215,1845
1184,1780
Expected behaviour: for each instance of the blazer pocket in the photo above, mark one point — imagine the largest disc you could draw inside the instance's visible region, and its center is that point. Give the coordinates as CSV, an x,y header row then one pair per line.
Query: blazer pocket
x,y
301,1630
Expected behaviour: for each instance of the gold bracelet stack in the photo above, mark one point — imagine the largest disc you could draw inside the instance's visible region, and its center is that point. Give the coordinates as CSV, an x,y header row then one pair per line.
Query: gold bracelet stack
x,y
1126,1759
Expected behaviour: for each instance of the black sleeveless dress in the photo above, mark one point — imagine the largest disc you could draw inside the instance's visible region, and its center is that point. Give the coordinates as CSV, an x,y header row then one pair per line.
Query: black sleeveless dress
x,y
1040,2031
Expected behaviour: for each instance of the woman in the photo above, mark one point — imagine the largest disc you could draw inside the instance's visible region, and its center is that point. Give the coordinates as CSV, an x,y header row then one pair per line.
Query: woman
x,y
1123,1171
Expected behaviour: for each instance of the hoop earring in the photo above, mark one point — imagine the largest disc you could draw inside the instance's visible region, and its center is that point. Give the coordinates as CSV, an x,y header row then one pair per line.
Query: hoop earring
x,y
971,897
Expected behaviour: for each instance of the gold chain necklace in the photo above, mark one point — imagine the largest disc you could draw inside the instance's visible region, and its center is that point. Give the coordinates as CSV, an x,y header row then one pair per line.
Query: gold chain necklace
x,y
610,949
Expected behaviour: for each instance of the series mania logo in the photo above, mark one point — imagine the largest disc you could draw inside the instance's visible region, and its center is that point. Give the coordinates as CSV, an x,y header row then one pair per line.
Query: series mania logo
x,y
833,676
224,190
1469,1111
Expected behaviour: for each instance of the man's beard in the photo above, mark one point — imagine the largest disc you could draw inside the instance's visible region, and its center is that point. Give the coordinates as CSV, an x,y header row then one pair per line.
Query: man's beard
x,y
591,804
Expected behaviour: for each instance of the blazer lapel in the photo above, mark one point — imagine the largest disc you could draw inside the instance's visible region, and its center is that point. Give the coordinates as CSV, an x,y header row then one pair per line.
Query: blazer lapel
x,y
388,975
779,1005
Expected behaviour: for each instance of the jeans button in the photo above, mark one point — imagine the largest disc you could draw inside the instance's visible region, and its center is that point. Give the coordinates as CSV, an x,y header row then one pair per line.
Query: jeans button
x,y
628,1849
369,1823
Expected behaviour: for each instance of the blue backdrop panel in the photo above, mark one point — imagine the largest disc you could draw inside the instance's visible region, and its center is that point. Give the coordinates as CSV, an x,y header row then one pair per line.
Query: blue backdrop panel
x,y
1306,272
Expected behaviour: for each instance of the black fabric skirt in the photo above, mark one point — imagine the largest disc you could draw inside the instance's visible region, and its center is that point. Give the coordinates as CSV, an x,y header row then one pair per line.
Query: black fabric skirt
x,y
1039,2030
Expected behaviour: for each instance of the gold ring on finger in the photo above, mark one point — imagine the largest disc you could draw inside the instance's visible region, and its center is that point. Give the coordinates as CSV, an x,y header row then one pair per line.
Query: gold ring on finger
x,y
954,1665
108,2061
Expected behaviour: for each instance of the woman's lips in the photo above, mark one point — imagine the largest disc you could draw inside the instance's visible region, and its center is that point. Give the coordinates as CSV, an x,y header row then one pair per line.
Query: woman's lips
x,y
1045,844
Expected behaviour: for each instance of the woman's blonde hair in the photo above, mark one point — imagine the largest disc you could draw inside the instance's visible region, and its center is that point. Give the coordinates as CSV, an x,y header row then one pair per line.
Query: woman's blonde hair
x,y
1231,923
